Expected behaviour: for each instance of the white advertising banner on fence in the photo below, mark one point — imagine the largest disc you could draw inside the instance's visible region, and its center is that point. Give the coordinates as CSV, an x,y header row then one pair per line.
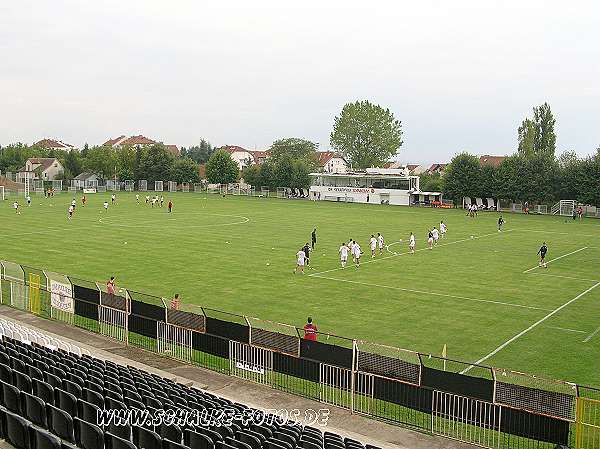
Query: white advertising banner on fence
x,y
61,296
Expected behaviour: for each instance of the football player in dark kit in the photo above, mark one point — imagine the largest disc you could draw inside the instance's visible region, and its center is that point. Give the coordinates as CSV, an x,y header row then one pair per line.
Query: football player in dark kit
x,y
542,253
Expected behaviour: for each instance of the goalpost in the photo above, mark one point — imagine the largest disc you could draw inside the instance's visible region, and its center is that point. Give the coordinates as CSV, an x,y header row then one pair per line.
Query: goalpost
x,y
197,187
129,184
143,185
281,192
2,198
172,186
158,186
185,187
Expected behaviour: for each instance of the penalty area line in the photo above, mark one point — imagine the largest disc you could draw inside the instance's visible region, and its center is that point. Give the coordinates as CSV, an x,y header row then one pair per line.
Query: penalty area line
x,y
533,326
424,292
556,258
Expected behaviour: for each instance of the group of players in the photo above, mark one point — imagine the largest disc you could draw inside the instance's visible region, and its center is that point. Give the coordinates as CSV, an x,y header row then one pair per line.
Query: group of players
x,y
376,244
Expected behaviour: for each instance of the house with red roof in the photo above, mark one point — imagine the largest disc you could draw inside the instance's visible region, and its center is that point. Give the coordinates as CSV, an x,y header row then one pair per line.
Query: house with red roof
x,y
138,141
53,144
44,168
437,168
494,161
244,157
332,162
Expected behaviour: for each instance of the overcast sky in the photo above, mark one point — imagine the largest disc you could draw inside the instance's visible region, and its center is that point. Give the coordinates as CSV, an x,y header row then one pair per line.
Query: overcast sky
x,y
460,75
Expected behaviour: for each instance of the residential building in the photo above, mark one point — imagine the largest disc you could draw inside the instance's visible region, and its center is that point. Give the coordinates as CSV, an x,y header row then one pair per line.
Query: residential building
x,y
244,157
494,161
46,169
52,144
138,141
85,180
332,162
437,168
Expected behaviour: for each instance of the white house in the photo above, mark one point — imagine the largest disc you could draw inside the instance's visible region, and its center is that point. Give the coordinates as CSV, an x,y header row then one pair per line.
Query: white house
x,y
85,181
331,162
244,157
44,168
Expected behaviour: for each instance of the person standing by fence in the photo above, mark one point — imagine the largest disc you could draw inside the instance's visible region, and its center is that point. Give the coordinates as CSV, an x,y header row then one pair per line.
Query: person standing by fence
x,y
310,330
175,303
110,288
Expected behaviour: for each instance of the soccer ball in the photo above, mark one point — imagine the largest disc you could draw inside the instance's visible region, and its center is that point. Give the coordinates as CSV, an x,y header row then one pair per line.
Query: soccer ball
x,y
268,264
125,243
545,266
472,237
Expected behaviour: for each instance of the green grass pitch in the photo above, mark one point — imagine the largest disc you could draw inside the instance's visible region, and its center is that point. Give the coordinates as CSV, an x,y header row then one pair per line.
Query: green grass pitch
x,y
480,296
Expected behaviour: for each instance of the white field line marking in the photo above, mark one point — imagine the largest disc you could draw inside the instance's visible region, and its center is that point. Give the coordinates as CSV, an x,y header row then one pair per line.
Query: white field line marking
x,y
589,337
416,251
559,233
424,292
566,329
565,277
557,258
533,326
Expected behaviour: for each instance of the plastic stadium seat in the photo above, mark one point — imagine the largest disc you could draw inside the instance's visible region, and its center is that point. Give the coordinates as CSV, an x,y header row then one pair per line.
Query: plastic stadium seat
x,y
305,444
88,435
43,390
249,439
53,380
16,431
6,373
22,381
214,436
279,443
66,401
34,409
171,432
146,439
87,411
270,444
133,403
224,431
60,423
285,437
35,373
119,429
168,444
114,404
95,385
72,387
114,442
42,439
11,398
152,402
312,439
369,446
223,445
93,397
18,365
197,440
236,443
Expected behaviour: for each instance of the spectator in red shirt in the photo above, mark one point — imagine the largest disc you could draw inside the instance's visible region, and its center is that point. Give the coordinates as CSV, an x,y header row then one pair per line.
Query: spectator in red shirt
x,y
110,287
175,302
170,205
310,330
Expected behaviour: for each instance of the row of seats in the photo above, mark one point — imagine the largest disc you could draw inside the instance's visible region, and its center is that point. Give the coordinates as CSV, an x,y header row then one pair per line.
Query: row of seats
x,y
62,394
15,331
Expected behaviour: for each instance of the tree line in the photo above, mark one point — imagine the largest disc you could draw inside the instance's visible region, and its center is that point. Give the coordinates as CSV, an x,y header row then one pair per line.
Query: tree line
x,y
533,174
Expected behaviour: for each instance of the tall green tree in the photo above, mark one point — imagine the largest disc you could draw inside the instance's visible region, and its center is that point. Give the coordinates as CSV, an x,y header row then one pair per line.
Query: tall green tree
x,y
300,174
185,170
155,163
462,177
296,149
221,168
252,175
536,136
73,163
101,161
200,153
126,163
366,134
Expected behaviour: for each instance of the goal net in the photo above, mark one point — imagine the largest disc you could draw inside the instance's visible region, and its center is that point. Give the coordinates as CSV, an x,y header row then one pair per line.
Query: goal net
x,y
2,198
101,189
185,187
542,209
281,192
264,191
129,185
213,188
57,185
172,186
197,187
143,185
158,186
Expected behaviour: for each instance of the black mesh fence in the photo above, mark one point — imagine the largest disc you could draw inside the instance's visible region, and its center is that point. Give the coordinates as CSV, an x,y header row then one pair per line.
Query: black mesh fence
x,y
274,340
187,320
548,403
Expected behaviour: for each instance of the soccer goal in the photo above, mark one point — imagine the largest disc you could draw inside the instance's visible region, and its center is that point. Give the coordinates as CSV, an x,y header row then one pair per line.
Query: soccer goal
x,y
281,192
185,187
172,186
158,186
101,189
542,209
129,185
197,187
2,193
57,185
264,191
213,188
143,185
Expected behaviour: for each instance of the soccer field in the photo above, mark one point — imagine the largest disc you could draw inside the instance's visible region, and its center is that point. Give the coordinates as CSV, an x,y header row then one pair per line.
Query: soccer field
x,y
478,291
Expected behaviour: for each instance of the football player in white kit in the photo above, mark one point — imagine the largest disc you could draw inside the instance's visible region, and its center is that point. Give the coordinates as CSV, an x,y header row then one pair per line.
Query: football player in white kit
x,y
380,242
343,254
443,229
301,256
411,243
373,244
